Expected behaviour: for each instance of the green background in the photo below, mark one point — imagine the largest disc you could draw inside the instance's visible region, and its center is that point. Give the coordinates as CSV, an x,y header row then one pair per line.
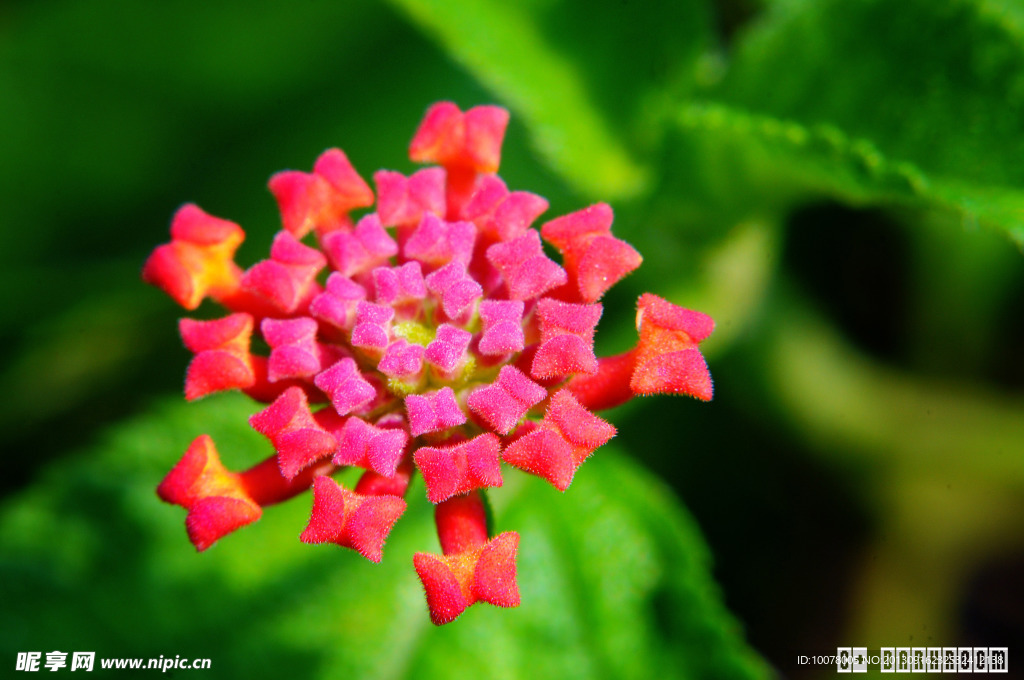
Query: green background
x,y
838,183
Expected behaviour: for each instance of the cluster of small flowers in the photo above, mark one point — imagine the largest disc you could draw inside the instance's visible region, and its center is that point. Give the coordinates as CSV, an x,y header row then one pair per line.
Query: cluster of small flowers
x,y
443,340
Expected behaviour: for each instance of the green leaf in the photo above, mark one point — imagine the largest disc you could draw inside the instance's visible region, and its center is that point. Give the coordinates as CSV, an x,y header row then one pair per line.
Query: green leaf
x,y
614,576
736,163
732,164
915,99
508,49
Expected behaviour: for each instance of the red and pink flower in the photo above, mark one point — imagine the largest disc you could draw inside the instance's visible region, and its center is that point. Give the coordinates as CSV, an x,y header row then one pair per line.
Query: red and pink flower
x,y
433,335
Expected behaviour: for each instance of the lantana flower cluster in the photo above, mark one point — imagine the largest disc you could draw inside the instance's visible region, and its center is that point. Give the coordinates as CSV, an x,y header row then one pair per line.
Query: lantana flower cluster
x,y
418,328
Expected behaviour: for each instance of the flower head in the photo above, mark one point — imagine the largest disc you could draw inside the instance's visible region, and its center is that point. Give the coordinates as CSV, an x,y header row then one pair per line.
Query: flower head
x,y
431,335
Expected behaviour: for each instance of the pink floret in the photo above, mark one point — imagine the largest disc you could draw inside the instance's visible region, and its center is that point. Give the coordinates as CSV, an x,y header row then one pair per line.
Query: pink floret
x,y
527,271
662,313
373,324
398,285
345,386
289,425
447,351
402,359
337,304
500,214
502,327
456,290
437,242
351,520
491,578
502,404
559,444
294,350
403,200
288,277
451,470
322,199
358,251
433,411
370,447
222,360
594,259
451,138
567,339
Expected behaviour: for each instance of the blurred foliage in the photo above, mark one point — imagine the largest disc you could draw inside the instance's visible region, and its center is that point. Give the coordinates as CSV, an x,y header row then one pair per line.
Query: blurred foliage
x,y
837,182
932,93
615,582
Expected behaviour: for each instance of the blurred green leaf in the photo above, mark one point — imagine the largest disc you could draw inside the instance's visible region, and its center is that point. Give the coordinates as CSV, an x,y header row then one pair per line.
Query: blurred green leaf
x,y
865,413
938,462
504,46
110,102
915,100
614,576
